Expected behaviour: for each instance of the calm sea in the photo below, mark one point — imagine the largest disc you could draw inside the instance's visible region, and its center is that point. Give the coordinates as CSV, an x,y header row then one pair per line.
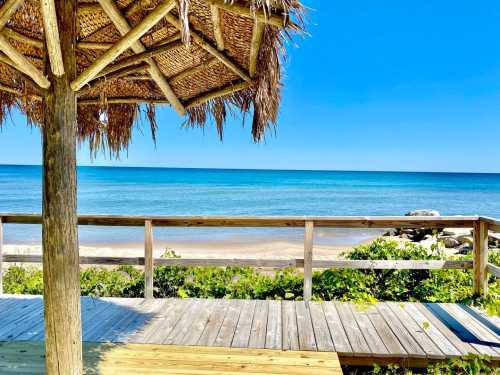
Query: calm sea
x,y
167,191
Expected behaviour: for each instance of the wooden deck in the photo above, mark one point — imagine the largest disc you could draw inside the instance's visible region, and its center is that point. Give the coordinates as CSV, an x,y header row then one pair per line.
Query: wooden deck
x,y
409,333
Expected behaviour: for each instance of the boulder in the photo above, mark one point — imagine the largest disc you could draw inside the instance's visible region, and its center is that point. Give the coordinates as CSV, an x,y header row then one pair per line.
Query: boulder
x,y
450,242
423,212
465,240
456,232
464,249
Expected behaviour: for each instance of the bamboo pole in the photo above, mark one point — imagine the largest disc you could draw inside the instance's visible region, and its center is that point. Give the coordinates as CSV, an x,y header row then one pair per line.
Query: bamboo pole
x,y
257,33
210,49
94,45
123,101
480,258
216,20
23,63
191,71
61,272
148,259
48,10
244,11
12,34
230,89
123,27
308,256
123,44
8,8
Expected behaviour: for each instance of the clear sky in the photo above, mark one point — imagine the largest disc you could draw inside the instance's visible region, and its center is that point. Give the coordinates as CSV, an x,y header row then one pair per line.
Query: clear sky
x,y
391,85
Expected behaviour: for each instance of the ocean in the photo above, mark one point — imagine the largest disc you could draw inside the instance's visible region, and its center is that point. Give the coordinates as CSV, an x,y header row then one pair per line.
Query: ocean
x,y
171,191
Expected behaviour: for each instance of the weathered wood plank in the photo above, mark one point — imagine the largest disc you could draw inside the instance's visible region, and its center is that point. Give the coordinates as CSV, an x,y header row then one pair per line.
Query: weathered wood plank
x,y
148,260
183,326
290,329
164,326
321,332
242,333
337,332
259,326
274,326
369,332
356,338
308,259
462,346
307,340
226,332
431,350
214,324
480,256
199,324
409,343
388,337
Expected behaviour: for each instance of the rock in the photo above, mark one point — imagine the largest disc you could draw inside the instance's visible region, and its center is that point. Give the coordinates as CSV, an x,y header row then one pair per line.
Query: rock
x,y
391,233
464,249
424,212
456,232
450,242
465,240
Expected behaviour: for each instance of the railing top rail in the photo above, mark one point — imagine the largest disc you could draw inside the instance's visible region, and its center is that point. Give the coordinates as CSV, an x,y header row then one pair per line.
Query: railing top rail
x,y
262,221
494,223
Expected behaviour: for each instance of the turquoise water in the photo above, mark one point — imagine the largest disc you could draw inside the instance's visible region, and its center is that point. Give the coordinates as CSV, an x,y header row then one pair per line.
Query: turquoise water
x,y
164,191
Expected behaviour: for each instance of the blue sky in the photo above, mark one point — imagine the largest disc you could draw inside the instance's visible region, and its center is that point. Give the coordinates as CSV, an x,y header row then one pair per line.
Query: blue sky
x,y
392,85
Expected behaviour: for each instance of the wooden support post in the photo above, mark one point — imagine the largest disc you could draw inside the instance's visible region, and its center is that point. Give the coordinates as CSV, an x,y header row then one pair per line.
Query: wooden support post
x,y
257,33
308,256
61,271
480,258
216,20
148,259
1,256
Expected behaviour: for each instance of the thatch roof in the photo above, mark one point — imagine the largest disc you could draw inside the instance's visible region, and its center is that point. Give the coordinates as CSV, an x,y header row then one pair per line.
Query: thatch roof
x,y
214,56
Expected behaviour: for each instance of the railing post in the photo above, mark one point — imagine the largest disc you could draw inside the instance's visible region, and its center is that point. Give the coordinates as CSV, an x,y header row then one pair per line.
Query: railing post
x,y
480,258
1,256
148,259
308,255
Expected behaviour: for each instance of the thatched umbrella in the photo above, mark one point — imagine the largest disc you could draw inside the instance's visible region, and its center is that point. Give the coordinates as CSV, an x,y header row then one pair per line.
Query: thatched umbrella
x,y
86,70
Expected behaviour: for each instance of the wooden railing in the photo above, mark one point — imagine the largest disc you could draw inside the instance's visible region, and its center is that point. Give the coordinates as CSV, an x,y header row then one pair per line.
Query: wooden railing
x,y
480,225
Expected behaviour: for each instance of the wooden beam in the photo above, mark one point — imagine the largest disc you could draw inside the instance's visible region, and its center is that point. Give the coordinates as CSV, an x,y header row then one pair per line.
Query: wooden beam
x,y
240,10
480,254
257,33
18,92
139,57
123,44
94,45
123,27
230,89
51,32
216,20
7,10
126,100
494,270
308,259
20,60
12,34
198,39
148,260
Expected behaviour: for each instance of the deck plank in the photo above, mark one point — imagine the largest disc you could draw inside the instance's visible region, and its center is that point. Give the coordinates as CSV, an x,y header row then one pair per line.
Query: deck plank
x,y
214,323
375,343
355,336
321,332
290,329
174,312
259,326
388,337
274,324
307,340
337,332
244,327
226,332
198,325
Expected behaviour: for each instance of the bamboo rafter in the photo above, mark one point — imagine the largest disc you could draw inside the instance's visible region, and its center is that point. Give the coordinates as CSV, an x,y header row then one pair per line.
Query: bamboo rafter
x,y
216,20
123,27
227,90
257,33
8,8
125,100
198,39
51,31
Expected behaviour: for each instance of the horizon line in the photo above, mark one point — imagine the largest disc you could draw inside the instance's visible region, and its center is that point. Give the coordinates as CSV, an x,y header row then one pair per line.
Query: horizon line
x,y
257,169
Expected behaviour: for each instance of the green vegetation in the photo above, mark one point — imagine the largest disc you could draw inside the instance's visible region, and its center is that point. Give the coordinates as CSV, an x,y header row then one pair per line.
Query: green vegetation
x,y
466,365
363,286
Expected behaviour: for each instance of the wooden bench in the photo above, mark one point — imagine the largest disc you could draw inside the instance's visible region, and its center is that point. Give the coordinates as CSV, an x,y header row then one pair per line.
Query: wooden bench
x,y
123,359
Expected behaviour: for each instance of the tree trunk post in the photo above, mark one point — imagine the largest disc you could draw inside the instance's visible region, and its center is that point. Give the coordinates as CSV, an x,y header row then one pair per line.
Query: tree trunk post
x,y
61,273
308,256
1,256
480,258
